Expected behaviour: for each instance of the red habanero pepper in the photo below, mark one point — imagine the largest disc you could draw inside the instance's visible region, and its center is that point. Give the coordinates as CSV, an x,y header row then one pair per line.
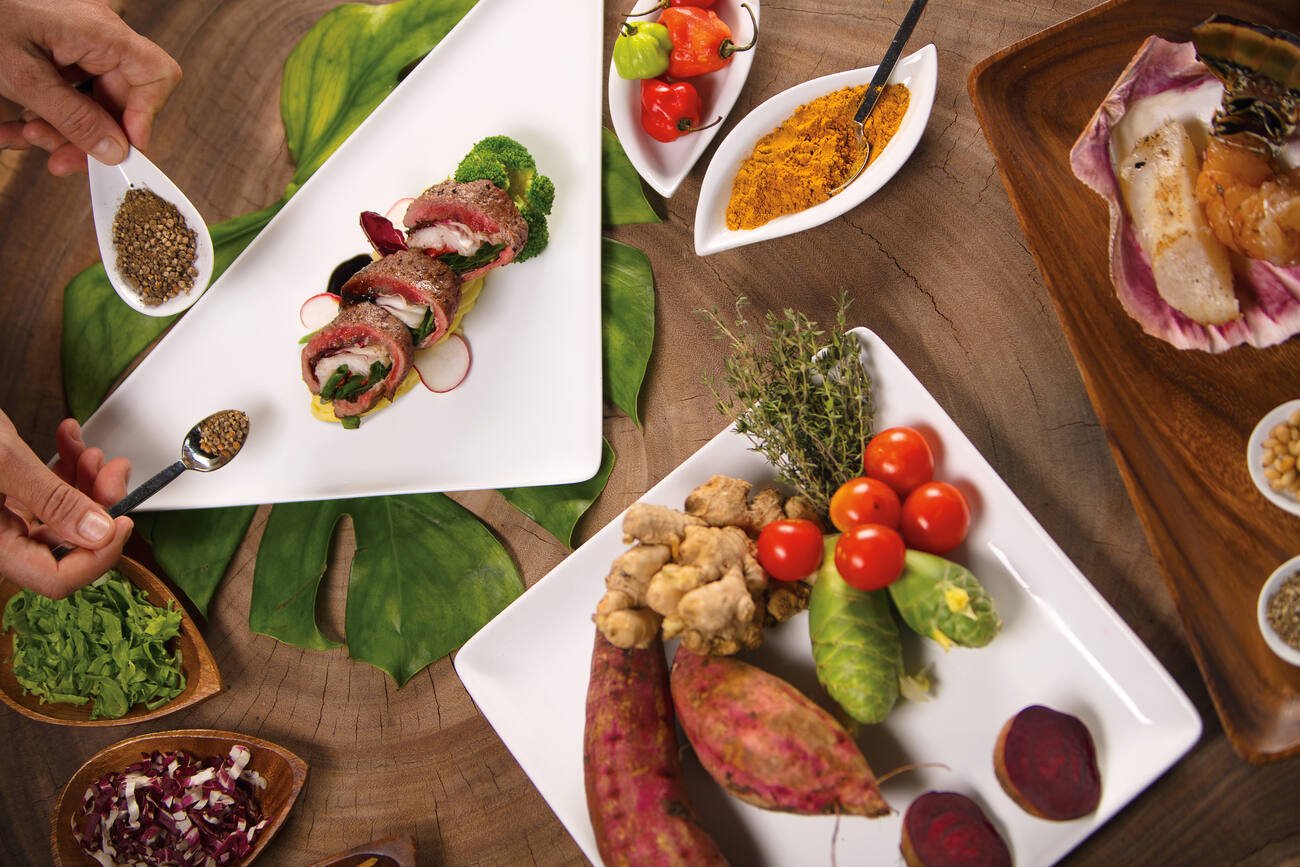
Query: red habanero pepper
x,y
701,40
670,110
664,4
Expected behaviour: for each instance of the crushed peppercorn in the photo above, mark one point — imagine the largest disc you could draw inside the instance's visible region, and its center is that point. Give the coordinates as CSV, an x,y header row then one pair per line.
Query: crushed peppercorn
x,y
1284,611
156,248
222,434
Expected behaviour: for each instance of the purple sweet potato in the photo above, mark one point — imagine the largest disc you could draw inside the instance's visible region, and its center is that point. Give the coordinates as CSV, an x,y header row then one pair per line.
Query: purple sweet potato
x,y
1046,762
766,743
635,796
945,829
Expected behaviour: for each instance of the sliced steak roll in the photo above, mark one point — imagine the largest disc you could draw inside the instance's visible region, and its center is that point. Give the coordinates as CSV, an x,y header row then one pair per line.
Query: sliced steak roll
x,y
420,291
462,218
363,355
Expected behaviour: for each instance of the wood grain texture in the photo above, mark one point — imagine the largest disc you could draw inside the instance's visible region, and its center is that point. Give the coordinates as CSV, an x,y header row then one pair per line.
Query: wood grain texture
x,y
283,772
935,263
202,677
1178,422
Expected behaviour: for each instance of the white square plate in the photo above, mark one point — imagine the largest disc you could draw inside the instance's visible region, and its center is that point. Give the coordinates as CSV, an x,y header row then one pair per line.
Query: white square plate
x,y
535,334
1061,646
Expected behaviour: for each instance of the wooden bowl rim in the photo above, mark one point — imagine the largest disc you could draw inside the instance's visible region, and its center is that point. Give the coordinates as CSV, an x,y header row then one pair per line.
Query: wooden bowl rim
x,y
133,746
399,848
203,681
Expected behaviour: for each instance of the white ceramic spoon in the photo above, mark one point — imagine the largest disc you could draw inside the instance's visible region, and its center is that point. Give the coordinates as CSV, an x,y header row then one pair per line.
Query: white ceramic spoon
x,y
919,71
664,165
108,186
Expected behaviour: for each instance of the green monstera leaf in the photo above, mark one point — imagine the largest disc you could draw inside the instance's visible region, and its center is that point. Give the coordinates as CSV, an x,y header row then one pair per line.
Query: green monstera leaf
x,y
427,575
195,546
558,508
345,66
628,322
624,201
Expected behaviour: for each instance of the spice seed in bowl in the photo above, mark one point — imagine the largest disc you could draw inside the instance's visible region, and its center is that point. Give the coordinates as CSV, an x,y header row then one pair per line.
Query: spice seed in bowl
x,y
1284,611
1281,456
156,248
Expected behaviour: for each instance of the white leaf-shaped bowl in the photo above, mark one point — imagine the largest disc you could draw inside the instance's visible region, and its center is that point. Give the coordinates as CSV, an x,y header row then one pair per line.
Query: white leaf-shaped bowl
x,y
664,165
918,71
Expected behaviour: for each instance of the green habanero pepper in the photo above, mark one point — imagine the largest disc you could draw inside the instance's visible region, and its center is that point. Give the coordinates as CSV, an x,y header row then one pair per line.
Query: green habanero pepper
x,y
944,601
641,50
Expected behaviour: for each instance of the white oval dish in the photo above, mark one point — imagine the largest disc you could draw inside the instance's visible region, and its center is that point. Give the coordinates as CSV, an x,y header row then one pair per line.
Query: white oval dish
x,y
1274,641
1255,450
919,71
108,186
664,165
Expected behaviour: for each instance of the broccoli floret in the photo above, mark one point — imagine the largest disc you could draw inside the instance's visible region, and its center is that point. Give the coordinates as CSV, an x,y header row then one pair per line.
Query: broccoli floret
x,y
508,164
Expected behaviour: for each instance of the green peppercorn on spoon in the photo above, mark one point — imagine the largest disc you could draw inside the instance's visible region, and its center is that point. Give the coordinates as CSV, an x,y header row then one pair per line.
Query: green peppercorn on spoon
x,y
108,188
194,456
877,87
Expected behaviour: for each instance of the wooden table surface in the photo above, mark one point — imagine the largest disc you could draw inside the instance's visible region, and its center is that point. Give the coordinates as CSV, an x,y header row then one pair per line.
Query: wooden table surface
x,y
936,265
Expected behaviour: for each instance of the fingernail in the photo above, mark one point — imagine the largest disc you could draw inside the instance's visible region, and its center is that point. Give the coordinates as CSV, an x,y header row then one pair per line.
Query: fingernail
x,y
94,526
75,431
109,150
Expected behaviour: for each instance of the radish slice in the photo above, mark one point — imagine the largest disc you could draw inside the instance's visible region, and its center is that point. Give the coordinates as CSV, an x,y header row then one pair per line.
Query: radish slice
x,y
397,212
445,365
319,311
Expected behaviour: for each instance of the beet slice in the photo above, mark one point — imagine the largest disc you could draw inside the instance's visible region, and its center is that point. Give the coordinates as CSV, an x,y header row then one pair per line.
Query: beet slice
x,y
945,829
1046,761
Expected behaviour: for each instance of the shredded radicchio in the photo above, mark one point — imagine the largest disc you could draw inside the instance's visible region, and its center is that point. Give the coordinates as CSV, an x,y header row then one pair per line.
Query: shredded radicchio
x,y
383,235
1269,294
171,808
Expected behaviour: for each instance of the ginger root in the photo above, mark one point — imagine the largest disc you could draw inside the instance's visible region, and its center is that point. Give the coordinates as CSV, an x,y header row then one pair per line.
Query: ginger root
x,y
657,525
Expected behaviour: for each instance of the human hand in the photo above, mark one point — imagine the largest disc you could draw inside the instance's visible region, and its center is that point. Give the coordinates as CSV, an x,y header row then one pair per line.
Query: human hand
x,y
40,507
45,48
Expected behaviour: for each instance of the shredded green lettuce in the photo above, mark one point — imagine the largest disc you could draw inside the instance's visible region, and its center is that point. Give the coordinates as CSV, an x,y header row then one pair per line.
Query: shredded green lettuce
x,y
105,644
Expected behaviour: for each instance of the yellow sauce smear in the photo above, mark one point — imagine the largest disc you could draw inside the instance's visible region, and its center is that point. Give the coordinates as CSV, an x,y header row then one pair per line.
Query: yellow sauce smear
x,y
469,293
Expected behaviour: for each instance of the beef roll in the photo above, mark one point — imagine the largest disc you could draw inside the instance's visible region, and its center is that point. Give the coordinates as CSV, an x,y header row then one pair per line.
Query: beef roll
x,y
360,357
419,290
475,227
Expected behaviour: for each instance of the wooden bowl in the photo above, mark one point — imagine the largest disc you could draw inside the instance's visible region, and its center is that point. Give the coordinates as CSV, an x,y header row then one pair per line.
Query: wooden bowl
x,y
388,852
202,678
283,771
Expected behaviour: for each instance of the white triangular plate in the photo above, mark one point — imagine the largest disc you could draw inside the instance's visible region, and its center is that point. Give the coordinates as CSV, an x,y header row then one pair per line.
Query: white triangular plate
x,y
664,165
530,411
919,71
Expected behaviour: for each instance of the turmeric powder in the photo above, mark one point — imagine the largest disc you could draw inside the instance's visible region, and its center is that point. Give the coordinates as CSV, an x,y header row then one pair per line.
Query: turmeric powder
x,y
796,165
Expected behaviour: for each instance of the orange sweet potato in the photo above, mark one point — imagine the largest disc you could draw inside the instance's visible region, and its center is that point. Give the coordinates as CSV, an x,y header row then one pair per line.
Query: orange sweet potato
x,y
766,743
1046,762
945,829
635,796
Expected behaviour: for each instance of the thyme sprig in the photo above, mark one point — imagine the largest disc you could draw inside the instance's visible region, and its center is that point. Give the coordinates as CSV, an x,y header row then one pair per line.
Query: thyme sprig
x,y
800,394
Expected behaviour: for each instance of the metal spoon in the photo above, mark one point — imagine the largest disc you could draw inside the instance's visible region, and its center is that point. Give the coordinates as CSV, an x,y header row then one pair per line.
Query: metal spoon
x,y
194,456
108,186
877,86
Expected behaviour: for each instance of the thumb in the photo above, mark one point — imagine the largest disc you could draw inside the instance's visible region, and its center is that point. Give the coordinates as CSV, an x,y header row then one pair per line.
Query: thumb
x,y
81,120
64,509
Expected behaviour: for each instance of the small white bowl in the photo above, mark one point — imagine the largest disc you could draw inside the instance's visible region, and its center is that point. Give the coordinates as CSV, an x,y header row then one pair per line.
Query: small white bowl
x,y
1274,641
1255,450
664,165
108,186
919,71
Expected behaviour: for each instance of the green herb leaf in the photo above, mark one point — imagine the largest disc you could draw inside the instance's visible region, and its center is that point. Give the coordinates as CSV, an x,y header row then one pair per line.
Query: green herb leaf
x,y
427,325
337,378
105,643
194,547
558,508
627,322
427,575
480,257
345,66
102,336
623,201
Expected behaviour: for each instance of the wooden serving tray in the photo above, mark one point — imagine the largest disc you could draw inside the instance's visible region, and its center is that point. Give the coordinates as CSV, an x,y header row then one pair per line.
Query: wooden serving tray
x,y
1177,421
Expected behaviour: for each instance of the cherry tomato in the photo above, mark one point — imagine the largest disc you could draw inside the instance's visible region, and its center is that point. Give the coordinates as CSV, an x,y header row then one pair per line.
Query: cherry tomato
x,y
790,549
870,557
935,518
864,501
901,458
